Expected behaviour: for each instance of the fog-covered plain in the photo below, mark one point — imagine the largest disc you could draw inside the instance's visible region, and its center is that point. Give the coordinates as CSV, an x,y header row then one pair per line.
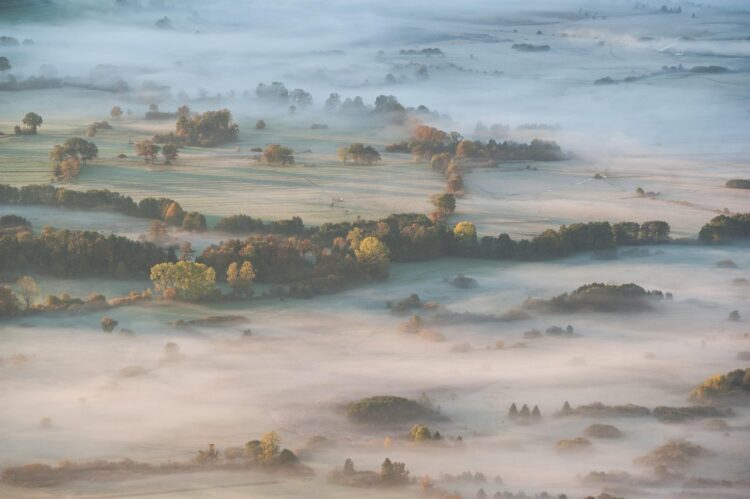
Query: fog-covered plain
x,y
678,134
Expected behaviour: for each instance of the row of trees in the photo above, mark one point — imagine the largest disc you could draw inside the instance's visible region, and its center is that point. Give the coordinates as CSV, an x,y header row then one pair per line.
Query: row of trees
x,y
165,209
149,150
79,253
726,228
427,141
210,129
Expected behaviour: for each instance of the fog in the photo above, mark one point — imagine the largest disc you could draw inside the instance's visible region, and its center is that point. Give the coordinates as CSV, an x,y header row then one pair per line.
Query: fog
x,y
70,392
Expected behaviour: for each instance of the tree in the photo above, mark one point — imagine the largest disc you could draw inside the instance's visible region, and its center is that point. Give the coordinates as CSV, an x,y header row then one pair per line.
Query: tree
x,y
32,121
157,231
28,290
74,148
116,113
183,110
269,446
108,324
147,149
374,256
276,154
9,305
70,168
186,251
240,279
444,203
4,64
169,151
420,433
194,221
465,231
187,281
359,153
260,125
333,102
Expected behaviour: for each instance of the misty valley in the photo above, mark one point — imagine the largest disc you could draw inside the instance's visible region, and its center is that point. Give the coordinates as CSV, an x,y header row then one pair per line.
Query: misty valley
x,y
491,250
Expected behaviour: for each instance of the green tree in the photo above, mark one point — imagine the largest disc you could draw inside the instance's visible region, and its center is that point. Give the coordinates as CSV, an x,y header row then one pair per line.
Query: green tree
x,y
9,305
444,203
32,121
170,153
187,281
28,290
4,64
108,324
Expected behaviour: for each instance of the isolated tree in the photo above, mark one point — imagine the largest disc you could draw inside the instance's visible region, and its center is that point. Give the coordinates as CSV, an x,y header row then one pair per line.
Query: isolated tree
x,y
108,324
32,121
74,148
276,154
28,290
240,278
147,149
169,151
260,125
187,281
4,64
116,112
358,153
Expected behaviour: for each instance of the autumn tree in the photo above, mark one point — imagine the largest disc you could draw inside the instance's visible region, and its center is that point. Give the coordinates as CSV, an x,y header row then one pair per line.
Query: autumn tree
x,y
276,154
116,113
373,255
269,446
69,169
187,281
147,149
28,290
240,279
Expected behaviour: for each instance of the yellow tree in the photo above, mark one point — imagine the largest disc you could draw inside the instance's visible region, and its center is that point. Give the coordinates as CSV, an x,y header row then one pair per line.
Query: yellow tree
x,y
373,255
28,290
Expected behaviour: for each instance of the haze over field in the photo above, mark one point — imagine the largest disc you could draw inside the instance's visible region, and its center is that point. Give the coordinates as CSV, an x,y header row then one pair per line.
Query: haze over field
x,y
522,225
